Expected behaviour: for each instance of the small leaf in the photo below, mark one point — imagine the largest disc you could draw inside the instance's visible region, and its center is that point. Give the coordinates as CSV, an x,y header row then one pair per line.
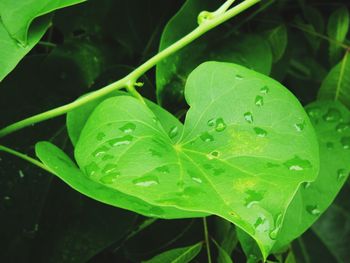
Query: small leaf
x,y
223,257
336,85
177,255
337,29
278,40
332,124
17,16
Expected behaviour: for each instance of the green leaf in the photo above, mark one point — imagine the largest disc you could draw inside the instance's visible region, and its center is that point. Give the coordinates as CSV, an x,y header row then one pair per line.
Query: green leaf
x,y
332,124
17,16
225,235
11,52
278,40
223,257
64,168
337,29
177,255
333,229
227,156
290,258
250,50
336,85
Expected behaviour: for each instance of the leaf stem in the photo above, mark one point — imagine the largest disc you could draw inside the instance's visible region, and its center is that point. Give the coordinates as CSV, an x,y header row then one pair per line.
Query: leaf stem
x,y
137,73
25,157
206,238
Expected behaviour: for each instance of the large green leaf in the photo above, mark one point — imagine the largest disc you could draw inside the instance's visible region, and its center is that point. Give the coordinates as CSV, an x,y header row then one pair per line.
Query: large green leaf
x,y
337,29
227,156
332,124
177,255
18,15
11,52
336,85
249,50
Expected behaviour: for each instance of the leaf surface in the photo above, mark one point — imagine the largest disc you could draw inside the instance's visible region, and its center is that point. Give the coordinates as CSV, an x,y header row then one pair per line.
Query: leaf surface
x,y
230,151
177,255
332,124
18,15
336,85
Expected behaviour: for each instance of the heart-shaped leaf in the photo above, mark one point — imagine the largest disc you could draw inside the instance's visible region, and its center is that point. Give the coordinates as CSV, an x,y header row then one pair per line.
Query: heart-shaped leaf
x,y
232,149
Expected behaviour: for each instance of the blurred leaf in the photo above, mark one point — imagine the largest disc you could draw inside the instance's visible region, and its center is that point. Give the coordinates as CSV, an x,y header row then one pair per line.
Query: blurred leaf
x,y
177,255
18,15
336,85
11,52
278,40
223,257
225,234
333,228
250,50
331,121
290,258
337,29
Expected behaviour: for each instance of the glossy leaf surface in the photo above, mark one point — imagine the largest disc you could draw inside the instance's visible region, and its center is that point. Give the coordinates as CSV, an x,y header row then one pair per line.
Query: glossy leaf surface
x,y
332,124
228,154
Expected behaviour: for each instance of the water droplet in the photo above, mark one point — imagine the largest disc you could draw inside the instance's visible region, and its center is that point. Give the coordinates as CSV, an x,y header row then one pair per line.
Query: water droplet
x,y
206,137
341,127
259,221
253,198
260,132
218,171
109,179
100,136
219,124
330,145
174,131
91,169
239,77
21,44
259,101
297,164
314,112
332,115
155,153
21,174
307,185
345,141
100,151
278,223
299,126
341,174
128,128
107,157
146,181
213,154
265,90
196,179
163,169
110,168
124,140
313,210
248,116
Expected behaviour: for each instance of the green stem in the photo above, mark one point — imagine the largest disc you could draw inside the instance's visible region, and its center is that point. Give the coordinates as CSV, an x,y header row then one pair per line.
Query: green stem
x,y
24,157
206,239
137,73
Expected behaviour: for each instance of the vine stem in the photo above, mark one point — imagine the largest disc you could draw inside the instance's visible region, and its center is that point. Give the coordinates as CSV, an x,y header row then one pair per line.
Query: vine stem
x,y
25,157
209,24
206,239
